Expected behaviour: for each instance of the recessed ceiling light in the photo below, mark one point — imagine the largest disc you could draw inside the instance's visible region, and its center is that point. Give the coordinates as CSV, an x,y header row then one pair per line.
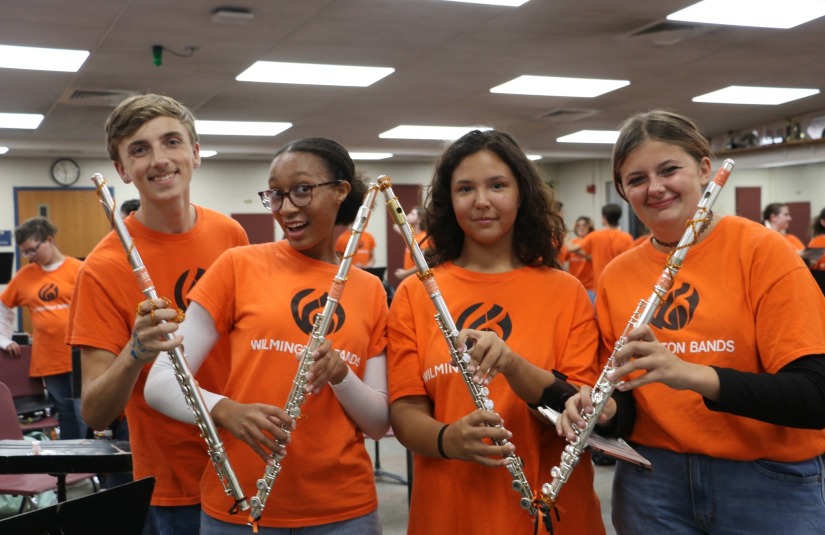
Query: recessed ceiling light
x,y
534,157
41,59
758,13
770,96
508,3
208,153
409,131
370,155
4,150
240,128
591,136
552,86
26,121
276,72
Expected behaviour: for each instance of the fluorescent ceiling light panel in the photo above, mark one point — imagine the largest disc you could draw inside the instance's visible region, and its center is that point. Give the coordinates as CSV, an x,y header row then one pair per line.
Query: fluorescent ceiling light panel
x,y
276,72
758,13
591,136
534,157
4,150
410,131
240,128
508,3
26,121
41,59
769,96
208,153
370,155
552,86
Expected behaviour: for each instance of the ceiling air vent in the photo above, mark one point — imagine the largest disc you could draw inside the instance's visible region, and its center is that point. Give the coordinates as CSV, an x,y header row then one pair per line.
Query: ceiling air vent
x,y
666,33
567,115
89,97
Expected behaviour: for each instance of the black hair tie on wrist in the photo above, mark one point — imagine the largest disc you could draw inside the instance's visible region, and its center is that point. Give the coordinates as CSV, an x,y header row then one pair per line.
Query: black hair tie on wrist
x,y
441,441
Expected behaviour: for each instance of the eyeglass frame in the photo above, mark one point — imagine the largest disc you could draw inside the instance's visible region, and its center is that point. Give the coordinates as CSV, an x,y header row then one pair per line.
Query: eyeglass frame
x,y
266,195
30,252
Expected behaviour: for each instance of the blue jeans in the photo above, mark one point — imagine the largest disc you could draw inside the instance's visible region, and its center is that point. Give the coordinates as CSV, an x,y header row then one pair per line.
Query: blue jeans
x,y
697,494
368,524
71,423
179,520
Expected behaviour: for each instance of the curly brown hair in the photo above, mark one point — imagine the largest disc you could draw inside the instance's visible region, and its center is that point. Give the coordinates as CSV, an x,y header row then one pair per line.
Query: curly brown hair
x,y
539,230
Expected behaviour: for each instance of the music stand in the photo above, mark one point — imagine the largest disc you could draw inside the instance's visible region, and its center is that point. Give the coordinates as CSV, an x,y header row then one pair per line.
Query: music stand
x,y
119,510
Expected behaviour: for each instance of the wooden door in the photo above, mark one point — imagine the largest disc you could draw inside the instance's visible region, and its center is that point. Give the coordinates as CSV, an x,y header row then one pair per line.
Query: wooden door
x,y
800,220
80,220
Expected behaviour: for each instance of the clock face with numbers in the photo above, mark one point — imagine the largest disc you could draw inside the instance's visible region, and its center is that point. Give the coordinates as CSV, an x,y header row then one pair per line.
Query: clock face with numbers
x,y
65,171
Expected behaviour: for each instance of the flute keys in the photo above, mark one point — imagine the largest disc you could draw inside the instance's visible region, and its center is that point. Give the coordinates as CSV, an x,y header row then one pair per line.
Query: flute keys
x,y
488,404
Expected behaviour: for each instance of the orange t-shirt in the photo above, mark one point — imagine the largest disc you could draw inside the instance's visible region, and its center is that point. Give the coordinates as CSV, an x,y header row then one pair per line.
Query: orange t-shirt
x,y
366,244
47,294
424,242
736,303
578,266
795,242
818,242
103,314
604,245
327,475
544,315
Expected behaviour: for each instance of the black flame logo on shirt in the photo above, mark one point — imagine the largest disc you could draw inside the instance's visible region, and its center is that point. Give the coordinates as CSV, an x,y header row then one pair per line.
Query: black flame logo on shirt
x,y
184,285
48,292
494,319
305,308
677,309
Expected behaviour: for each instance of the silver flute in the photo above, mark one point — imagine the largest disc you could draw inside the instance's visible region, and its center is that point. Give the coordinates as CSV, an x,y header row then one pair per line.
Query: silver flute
x,y
604,387
320,328
448,328
187,382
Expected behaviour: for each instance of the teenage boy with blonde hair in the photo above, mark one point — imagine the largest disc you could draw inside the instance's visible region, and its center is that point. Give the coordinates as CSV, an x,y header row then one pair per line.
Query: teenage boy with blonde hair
x,y
153,144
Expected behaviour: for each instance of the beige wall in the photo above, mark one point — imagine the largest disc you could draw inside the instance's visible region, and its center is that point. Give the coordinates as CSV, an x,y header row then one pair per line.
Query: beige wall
x,y
230,187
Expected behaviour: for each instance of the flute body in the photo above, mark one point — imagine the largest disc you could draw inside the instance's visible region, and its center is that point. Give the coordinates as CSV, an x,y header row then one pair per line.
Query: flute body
x,y
450,332
642,315
188,385
320,329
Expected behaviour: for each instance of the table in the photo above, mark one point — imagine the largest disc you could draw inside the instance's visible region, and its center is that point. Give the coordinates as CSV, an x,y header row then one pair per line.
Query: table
x,y
61,457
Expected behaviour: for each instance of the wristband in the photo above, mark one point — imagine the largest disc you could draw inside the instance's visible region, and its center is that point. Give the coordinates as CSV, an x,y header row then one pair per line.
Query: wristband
x,y
441,441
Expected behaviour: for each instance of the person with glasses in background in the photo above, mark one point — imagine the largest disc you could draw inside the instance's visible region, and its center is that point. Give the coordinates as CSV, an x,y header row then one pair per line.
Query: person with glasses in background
x,y
263,300
45,286
153,144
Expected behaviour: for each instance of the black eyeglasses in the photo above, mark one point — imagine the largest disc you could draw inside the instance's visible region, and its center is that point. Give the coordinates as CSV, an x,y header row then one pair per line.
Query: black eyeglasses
x,y
31,252
300,196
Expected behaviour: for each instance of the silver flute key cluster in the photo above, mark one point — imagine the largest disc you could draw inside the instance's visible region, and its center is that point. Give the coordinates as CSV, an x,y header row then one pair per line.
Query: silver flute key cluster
x,y
448,328
320,328
644,312
187,382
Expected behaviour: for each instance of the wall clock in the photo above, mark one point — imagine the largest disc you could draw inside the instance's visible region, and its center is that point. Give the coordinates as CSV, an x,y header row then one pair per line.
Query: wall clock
x,y
65,171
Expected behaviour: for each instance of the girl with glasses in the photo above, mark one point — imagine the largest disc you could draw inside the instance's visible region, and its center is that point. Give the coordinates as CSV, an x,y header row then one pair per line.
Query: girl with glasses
x,y
263,298
45,286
